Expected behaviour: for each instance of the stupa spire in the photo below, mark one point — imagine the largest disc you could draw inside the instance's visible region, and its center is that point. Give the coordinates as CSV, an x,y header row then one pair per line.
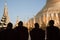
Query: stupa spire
x,y
17,21
5,9
5,18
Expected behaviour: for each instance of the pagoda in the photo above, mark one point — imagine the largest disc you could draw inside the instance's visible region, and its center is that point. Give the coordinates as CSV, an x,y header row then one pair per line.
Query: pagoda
x,y
5,18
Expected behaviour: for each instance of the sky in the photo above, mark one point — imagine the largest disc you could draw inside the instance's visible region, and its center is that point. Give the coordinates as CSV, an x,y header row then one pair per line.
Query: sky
x,y
24,9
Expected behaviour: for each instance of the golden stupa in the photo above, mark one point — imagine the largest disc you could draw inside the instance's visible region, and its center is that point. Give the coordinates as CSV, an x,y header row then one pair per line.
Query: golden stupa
x,y
51,11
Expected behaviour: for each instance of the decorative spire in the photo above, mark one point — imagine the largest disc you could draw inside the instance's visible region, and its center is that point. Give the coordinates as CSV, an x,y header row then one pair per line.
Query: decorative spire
x,y
5,9
34,20
5,18
17,21
5,2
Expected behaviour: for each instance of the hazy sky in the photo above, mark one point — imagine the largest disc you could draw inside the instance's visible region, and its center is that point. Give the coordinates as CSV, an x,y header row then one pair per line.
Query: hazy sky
x,y
25,9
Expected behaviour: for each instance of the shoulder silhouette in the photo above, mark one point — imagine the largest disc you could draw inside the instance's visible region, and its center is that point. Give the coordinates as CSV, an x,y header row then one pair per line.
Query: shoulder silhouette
x,y
22,31
9,26
52,31
9,31
37,33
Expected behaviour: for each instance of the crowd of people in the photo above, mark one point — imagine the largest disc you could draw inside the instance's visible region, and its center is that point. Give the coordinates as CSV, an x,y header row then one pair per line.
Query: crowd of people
x,y
21,32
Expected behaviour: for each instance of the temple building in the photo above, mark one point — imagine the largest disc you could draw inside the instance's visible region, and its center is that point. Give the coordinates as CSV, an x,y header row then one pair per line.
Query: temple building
x,y
51,11
5,18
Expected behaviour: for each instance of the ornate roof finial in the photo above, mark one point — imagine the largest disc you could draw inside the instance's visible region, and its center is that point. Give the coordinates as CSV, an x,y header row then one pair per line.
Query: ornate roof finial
x,y
17,21
5,2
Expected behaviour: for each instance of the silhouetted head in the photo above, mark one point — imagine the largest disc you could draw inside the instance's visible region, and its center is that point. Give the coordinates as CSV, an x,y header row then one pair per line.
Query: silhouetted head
x,y
36,25
51,23
20,23
9,26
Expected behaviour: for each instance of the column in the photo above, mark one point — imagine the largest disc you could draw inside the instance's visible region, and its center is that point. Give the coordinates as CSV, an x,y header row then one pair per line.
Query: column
x,y
40,22
52,15
44,18
47,18
57,19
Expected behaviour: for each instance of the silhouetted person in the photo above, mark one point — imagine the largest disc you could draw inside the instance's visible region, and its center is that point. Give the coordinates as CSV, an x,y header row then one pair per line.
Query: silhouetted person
x,y
9,26
9,32
3,33
21,32
37,33
52,31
